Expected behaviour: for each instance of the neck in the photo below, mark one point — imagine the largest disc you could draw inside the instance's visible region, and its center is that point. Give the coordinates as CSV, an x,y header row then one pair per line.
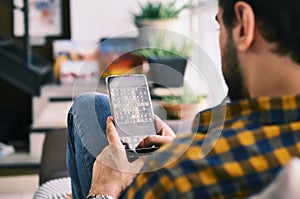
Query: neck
x,y
271,75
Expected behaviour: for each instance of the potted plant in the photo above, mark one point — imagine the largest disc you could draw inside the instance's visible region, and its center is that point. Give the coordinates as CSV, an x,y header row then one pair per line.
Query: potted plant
x,y
167,62
165,50
156,18
184,106
158,14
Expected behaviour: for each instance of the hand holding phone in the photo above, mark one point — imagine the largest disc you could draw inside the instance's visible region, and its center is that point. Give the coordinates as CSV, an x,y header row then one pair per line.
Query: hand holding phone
x,y
132,110
163,136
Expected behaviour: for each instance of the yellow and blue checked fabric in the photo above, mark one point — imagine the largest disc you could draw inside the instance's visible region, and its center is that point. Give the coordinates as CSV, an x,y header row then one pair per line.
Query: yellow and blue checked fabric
x,y
259,137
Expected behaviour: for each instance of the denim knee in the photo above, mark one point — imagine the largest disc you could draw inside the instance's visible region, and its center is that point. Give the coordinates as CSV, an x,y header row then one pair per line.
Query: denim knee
x,y
87,99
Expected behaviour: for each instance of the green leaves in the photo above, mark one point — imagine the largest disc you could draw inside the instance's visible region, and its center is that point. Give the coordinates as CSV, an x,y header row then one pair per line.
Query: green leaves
x,y
156,52
187,97
162,49
159,10
182,99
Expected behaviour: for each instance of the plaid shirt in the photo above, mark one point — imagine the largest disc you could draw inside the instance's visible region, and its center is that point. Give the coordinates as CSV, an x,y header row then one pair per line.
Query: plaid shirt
x,y
259,136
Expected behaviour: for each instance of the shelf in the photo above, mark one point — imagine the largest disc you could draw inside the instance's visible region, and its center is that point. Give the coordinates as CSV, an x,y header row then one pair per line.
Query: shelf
x,y
19,164
57,91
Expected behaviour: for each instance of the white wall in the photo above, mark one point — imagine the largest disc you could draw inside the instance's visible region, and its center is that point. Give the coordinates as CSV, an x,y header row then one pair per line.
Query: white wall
x,y
93,19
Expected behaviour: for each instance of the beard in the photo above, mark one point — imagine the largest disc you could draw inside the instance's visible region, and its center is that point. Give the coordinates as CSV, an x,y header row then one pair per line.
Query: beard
x,y
232,72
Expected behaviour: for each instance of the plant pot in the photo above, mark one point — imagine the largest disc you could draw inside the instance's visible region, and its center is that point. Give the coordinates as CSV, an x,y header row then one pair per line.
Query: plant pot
x,y
181,111
151,30
171,24
167,72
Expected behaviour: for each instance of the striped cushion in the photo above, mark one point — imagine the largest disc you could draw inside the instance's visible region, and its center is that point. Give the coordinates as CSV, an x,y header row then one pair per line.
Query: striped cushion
x,y
54,189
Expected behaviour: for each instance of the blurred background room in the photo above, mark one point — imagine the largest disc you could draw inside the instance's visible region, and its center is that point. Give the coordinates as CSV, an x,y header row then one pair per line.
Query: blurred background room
x,y
53,50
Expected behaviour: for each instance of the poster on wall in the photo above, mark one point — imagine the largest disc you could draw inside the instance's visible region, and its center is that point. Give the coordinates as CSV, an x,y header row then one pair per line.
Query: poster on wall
x,y
45,18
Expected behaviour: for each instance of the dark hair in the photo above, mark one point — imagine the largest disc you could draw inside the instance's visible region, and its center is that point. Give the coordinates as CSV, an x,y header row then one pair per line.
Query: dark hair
x,y
278,21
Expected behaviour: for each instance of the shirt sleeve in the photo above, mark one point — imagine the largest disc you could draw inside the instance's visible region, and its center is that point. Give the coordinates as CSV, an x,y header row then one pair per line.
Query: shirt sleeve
x,y
155,184
228,171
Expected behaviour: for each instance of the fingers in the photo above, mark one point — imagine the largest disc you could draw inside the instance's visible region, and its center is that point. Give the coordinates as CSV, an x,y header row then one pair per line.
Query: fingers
x,y
112,134
163,128
155,140
158,123
69,196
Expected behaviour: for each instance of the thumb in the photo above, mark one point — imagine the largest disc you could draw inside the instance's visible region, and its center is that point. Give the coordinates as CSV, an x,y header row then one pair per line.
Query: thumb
x,y
112,134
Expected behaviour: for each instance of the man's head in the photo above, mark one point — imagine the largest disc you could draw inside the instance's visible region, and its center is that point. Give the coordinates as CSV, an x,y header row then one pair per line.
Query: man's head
x,y
277,22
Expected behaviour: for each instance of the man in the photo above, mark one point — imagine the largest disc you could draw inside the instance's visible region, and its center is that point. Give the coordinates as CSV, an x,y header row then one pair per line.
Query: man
x,y
261,63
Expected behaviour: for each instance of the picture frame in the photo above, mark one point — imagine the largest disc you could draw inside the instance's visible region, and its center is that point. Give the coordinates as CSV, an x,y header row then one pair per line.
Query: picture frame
x,y
45,18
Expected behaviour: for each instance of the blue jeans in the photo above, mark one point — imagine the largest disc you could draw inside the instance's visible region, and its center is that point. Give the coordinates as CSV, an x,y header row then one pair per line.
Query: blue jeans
x,y
86,139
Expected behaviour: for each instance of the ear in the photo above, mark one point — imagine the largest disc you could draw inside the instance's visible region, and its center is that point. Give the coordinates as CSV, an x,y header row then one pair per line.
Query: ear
x,y
243,31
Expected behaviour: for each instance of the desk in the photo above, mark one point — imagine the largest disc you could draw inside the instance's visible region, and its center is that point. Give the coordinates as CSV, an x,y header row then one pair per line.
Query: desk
x,y
55,92
52,106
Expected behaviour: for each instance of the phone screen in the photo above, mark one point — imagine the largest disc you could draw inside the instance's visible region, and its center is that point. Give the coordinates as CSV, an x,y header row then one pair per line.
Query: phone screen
x,y
131,108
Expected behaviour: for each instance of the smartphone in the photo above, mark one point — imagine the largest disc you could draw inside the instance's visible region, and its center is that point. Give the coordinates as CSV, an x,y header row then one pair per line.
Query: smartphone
x,y
132,110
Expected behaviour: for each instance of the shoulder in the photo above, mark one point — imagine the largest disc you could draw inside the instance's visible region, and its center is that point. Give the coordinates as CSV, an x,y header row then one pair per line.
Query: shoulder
x,y
167,172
